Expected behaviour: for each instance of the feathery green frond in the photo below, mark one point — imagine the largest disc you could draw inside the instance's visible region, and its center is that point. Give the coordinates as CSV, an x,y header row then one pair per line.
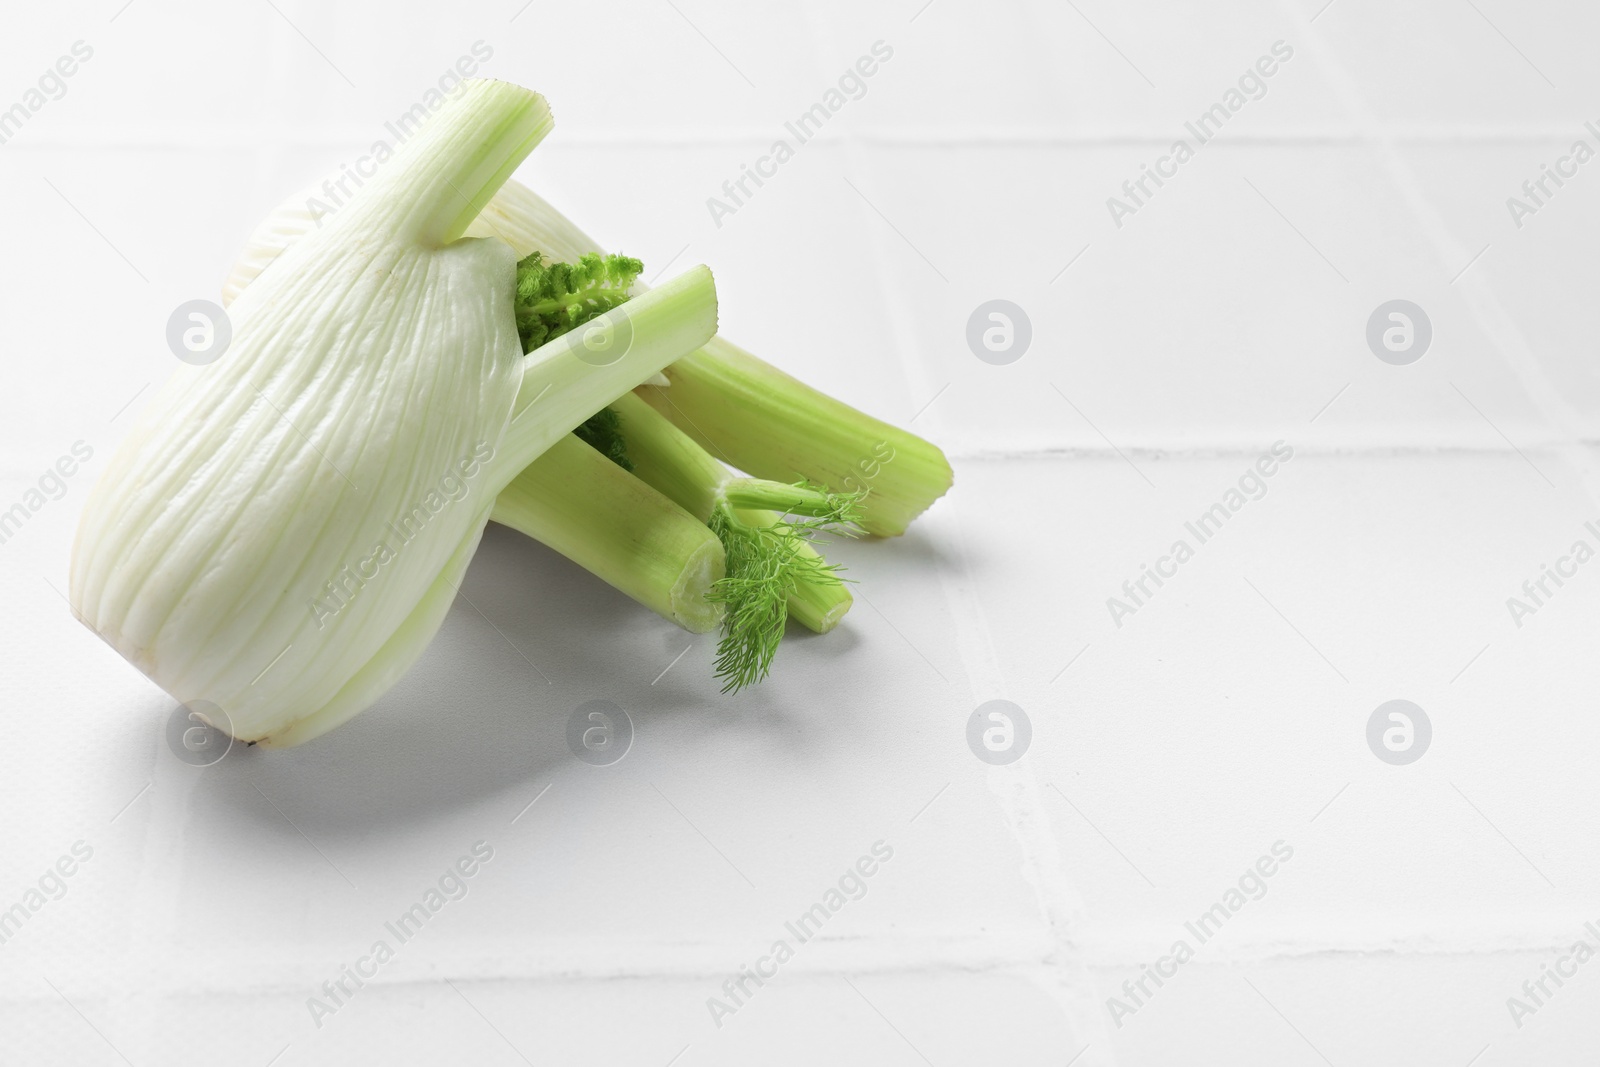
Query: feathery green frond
x,y
765,566
555,298
766,528
767,563
839,510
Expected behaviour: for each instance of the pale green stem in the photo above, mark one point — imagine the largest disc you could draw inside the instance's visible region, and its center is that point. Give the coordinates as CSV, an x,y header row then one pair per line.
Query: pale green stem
x,y
668,459
771,426
442,178
613,525
751,414
578,373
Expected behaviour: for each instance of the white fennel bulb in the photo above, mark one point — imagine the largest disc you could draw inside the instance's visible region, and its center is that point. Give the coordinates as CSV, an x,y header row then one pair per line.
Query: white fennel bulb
x,y
283,530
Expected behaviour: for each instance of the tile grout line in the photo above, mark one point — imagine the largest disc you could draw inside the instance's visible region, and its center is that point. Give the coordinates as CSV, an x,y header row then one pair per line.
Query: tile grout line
x,y
1064,974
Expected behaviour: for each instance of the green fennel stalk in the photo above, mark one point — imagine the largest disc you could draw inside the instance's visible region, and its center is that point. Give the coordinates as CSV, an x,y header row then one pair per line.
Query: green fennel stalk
x,y
748,413
763,526
648,547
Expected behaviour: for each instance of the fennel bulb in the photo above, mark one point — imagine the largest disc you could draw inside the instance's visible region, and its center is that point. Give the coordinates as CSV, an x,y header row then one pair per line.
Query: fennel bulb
x,y
283,530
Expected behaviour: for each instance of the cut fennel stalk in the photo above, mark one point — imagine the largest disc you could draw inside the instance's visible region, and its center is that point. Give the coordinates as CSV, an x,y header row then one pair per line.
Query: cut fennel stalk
x,y
769,559
553,297
772,426
649,547
376,364
737,407
748,413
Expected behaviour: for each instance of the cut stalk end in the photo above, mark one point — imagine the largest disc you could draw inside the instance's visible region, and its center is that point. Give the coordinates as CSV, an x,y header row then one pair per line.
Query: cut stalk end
x,y
772,426
442,178
596,514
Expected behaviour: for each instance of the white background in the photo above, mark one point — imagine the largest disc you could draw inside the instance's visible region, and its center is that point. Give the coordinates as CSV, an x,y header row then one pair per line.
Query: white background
x,y
1228,313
